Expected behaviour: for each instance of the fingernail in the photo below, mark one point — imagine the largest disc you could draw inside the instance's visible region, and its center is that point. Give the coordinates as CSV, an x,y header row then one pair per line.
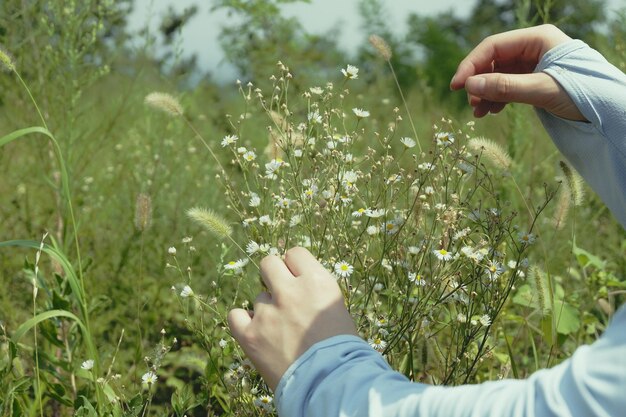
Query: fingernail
x,y
476,85
452,81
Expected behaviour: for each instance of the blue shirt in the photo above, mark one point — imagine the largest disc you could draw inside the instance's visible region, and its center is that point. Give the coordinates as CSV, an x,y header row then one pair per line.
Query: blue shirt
x,y
344,376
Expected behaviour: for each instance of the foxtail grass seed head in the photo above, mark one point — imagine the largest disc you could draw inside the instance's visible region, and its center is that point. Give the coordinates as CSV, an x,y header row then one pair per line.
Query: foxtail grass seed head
x,y
211,221
165,103
381,46
538,280
574,183
143,212
492,151
562,206
6,60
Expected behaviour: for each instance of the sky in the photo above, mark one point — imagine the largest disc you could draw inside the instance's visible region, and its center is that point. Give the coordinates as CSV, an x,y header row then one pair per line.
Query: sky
x,y
199,35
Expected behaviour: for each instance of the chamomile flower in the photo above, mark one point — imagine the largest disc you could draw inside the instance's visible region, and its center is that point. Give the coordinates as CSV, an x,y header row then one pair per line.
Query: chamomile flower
x,y
390,227
228,140
485,320
283,203
442,254
87,365
417,279
408,142
359,212
375,213
426,166
444,138
249,156
255,200
314,117
343,269
360,113
252,247
186,292
526,238
316,90
236,266
149,378
494,270
350,72
264,402
372,230
377,343
265,220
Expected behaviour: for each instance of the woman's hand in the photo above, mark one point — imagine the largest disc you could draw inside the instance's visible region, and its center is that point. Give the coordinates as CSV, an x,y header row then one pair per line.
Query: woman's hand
x,y
304,305
500,71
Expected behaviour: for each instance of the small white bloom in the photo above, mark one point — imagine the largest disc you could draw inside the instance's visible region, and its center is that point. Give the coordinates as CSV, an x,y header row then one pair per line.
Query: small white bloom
x,y
413,250
255,200
264,402
350,72
526,238
229,140
222,343
265,220
461,318
359,212
485,320
186,292
442,254
360,113
377,343
375,213
314,117
187,239
149,378
87,365
343,269
408,142
241,150
316,90
249,156
172,250
252,247
426,166
372,230
444,138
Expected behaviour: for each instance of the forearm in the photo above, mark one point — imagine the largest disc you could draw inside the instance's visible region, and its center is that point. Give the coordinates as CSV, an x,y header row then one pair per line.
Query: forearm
x,y
596,149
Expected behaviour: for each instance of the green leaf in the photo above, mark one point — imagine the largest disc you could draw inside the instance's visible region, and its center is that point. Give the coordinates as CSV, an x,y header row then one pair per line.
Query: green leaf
x,y
29,324
586,259
567,318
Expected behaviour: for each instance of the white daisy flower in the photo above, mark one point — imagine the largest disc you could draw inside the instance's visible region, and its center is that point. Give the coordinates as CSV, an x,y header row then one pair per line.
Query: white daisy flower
x,y
408,142
87,365
413,250
444,138
295,220
264,402
442,254
360,113
461,318
252,247
461,234
375,213
372,230
149,378
229,140
314,117
187,239
417,279
186,292
391,227
359,212
494,270
249,156
316,90
350,72
426,166
377,343
222,343
265,220
343,269
526,238
172,250
283,202
484,320
255,200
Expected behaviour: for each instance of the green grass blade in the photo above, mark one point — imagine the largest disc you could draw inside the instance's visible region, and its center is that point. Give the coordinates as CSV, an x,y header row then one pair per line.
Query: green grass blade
x,y
23,132
59,257
32,322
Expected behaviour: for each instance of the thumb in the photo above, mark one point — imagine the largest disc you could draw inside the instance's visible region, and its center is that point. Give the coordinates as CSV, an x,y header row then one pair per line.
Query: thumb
x,y
238,321
537,89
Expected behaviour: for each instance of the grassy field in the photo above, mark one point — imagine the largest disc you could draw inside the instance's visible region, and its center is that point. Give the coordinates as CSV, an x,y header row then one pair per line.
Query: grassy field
x,y
115,299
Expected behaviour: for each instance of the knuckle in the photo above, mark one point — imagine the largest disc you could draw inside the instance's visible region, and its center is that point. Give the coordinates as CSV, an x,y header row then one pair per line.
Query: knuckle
x,y
502,87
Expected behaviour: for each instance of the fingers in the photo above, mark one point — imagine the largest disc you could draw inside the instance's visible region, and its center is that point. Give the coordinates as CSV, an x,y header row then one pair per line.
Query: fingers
x,y
536,89
301,261
238,320
274,272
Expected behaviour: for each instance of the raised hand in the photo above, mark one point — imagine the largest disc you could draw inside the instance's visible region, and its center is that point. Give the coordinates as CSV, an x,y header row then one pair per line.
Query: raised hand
x,y
500,71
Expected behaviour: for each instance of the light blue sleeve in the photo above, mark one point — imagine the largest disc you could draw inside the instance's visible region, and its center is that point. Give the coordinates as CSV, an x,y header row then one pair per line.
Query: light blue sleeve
x,y
343,376
597,150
